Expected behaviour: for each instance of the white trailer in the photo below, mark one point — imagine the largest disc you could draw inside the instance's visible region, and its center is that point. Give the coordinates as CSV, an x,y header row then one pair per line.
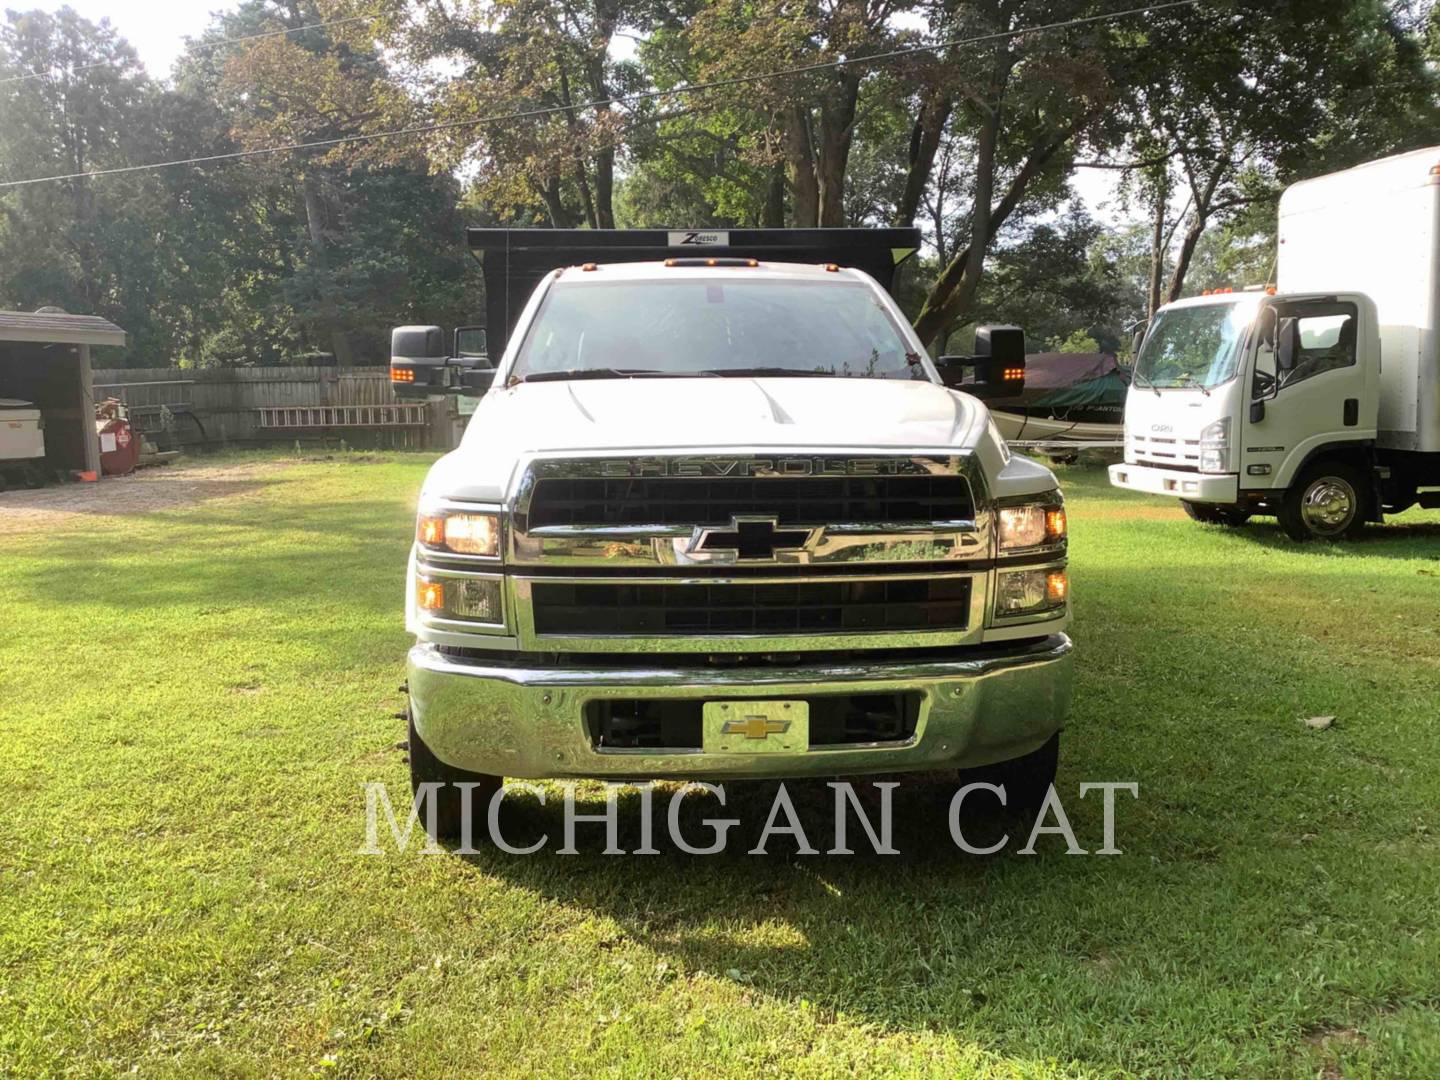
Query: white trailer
x,y
22,442
1319,402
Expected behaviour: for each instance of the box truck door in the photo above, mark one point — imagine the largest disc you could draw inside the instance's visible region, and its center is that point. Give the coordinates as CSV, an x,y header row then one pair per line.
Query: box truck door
x,y
1313,389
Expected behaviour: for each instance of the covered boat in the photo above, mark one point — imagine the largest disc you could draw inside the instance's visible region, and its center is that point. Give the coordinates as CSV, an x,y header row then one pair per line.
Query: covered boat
x,y
1069,397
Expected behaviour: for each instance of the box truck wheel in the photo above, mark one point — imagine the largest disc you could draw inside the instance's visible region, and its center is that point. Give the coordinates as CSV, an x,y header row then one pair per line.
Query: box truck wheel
x,y
1215,513
426,768
1327,502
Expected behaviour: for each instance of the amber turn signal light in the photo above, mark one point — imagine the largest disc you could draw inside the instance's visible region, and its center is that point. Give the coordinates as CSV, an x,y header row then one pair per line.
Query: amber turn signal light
x,y
430,530
1055,524
1057,587
429,595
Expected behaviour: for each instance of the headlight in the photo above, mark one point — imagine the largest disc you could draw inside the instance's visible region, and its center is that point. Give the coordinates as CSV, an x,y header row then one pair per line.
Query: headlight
x,y
1030,526
462,533
460,598
1215,447
1027,592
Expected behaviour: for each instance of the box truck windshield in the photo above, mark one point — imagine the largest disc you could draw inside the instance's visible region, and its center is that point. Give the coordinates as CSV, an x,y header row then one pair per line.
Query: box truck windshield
x,y
1195,346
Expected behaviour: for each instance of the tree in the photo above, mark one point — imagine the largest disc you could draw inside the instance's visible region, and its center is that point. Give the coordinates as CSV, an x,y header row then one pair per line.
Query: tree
x,y
75,99
507,56
1259,96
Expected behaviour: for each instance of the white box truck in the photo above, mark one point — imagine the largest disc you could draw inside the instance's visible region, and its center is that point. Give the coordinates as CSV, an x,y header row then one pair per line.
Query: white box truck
x,y
1320,402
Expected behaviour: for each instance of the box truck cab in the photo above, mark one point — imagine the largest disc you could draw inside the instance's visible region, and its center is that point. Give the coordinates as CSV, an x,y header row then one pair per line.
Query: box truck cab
x,y
1318,402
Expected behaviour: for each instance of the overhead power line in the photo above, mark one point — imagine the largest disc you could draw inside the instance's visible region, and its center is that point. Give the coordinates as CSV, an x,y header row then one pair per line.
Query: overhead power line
x,y
624,99
204,46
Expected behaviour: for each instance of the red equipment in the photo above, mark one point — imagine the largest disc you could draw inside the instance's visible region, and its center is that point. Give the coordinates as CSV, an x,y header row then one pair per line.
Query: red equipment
x,y
119,445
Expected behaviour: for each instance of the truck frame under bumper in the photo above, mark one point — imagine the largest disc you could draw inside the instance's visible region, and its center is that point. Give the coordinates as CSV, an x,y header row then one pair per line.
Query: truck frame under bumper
x,y
973,706
1195,487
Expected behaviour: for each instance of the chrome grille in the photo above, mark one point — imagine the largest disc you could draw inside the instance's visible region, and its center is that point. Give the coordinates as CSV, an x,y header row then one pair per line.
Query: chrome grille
x,y
659,608
705,501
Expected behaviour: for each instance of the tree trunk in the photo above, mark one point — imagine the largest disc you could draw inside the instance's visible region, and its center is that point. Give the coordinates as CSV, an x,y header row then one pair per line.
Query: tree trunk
x,y
953,293
1204,199
837,132
315,223
800,158
587,202
925,139
605,188
773,214
555,207
959,280
1157,250
607,18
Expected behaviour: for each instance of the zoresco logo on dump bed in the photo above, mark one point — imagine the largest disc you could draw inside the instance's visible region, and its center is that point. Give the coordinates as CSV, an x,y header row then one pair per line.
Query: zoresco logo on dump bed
x,y
696,238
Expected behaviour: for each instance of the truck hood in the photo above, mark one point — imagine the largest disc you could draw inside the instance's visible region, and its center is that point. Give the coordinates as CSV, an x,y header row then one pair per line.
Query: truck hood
x,y
700,415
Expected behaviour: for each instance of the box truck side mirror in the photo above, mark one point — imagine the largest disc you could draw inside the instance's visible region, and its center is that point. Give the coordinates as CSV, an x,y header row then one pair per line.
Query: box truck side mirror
x,y
1269,321
1137,339
1286,345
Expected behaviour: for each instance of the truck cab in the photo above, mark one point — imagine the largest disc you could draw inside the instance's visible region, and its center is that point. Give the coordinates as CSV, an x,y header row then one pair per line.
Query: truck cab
x,y
1320,402
1253,402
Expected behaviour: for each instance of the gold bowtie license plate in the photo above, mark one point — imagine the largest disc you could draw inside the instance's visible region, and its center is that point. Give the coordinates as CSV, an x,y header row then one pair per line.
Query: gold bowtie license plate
x,y
756,727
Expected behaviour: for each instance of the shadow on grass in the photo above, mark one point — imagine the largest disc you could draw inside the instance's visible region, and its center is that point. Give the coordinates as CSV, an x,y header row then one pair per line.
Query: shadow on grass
x,y
1407,540
863,933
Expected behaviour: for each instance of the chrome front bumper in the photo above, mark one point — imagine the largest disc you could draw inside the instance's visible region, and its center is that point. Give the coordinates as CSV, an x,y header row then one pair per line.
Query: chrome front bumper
x,y
1197,487
978,705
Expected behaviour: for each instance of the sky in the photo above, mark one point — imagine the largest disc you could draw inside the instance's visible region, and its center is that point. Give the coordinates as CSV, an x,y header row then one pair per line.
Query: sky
x,y
158,29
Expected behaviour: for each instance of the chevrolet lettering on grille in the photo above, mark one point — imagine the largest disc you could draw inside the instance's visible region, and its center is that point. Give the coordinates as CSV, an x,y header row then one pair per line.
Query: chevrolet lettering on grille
x,y
760,466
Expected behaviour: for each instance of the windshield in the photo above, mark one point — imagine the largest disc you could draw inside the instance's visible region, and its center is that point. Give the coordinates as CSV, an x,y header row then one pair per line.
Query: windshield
x,y
1194,346
716,327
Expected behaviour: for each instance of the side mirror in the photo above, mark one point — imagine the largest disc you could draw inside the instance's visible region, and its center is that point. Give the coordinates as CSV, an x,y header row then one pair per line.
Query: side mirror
x,y
1257,411
471,341
1269,327
1138,339
417,361
997,369
1287,346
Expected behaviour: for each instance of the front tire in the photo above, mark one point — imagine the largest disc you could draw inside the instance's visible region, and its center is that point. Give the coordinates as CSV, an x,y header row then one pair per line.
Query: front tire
x,y
1327,502
426,768
1026,779
1215,513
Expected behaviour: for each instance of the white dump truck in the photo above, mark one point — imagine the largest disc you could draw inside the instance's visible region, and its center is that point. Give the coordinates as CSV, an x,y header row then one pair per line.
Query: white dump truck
x,y
1319,401
717,515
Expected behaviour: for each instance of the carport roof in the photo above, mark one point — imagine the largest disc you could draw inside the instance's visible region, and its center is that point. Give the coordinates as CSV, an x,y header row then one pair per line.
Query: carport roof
x,y
66,329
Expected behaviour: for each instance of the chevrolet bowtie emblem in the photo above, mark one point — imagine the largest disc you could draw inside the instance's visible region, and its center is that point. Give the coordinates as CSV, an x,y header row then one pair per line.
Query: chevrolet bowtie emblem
x,y
755,727
753,538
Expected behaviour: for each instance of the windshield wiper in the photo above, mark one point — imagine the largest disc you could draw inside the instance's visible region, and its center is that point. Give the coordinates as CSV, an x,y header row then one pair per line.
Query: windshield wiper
x,y
1185,378
1135,376
761,372
606,373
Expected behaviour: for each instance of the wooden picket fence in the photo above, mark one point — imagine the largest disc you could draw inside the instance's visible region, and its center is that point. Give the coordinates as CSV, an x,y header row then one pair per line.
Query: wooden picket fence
x,y
267,405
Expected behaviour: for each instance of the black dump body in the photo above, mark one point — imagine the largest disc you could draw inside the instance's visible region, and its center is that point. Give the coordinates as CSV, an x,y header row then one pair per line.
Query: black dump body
x,y
514,260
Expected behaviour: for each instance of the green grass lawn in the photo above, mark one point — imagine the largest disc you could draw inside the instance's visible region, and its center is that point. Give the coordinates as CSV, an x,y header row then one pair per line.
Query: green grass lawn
x,y
190,701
